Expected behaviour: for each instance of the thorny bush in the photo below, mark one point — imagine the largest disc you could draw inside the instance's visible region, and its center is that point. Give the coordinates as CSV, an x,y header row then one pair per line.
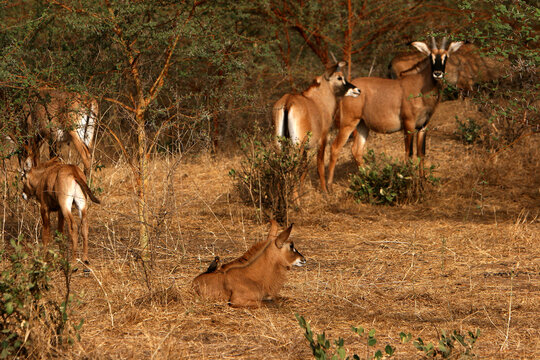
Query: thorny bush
x,y
270,174
386,181
33,323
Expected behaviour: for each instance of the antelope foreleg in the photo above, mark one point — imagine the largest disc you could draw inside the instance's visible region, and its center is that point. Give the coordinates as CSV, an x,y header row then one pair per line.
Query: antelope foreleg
x,y
360,135
421,149
320,162
46,231
409,135
339,141
82,149
84,230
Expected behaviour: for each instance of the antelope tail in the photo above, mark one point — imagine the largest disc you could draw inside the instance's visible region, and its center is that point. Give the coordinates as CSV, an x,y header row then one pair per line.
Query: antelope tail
x,y
86,189
285,128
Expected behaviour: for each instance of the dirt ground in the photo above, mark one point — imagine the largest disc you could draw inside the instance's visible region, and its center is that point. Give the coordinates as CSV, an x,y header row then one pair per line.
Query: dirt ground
x,y
466,258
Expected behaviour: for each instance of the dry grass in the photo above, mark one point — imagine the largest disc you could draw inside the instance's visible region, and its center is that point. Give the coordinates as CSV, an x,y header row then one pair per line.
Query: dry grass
x,y
466,258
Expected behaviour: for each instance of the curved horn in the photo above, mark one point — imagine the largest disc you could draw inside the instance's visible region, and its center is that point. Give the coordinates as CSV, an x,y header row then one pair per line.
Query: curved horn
x,y
272,234
443,44
333,57
433,43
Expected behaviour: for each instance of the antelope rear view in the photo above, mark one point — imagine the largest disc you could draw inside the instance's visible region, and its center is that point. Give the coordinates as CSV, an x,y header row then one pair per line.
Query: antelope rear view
x,y
57,187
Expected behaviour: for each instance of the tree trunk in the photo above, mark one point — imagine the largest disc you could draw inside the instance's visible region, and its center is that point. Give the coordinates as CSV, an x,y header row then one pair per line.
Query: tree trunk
x,y
142,184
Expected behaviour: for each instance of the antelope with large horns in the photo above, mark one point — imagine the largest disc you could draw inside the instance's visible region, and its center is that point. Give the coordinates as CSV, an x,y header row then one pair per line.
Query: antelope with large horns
x,y
390,105
60,117
257,275
312,112
464,68
57,187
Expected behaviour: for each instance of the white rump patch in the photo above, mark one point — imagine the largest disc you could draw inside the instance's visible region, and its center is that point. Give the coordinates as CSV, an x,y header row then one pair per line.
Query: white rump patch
x,y
86,124
293,127
75,195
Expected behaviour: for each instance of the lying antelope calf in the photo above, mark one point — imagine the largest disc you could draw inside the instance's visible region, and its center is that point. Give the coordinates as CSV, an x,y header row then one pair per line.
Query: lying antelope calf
x,y
57,187
257,275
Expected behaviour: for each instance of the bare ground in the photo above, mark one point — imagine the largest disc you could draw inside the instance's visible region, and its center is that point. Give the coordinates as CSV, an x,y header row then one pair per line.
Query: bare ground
x,y
465,258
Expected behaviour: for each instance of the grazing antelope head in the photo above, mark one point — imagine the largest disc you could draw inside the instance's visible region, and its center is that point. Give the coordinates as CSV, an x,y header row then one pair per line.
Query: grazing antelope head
x,y
257,275
312,112
60,117
437,56
388,105
57,187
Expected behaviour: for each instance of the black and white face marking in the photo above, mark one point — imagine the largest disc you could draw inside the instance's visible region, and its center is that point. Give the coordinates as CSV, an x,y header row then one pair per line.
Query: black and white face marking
x,y
300,260
438,56
345,88
438,65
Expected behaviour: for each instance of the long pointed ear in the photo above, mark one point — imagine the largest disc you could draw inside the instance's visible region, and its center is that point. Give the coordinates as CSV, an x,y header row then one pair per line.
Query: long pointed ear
x,y
454,46
272,233
422,47
329,71
283,236
341,65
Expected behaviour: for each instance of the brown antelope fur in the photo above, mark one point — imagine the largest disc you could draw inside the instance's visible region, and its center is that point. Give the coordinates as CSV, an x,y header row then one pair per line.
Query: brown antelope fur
x,y
388,105
56,187
464,68
61,117
257,275
312,111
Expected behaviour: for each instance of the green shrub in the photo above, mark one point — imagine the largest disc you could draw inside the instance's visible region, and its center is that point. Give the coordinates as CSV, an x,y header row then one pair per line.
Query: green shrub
x,y
386,181
31,321
454,346
468,131
269,174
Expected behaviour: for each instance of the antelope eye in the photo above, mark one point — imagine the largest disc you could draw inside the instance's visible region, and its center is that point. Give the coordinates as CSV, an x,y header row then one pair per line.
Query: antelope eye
x,y
340,78
292,246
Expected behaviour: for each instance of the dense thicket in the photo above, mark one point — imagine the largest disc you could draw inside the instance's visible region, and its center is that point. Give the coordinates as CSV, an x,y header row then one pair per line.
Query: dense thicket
x,y
232,59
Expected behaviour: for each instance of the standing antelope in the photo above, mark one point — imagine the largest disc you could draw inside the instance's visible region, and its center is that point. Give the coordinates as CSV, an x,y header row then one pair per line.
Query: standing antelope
x,y
257,275
57,187
388,105
312,111
463,69
61,117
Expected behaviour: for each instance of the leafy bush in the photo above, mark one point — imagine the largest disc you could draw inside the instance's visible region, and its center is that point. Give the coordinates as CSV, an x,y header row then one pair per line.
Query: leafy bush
x,y
322,348
453,346
468,131
507,32
387,181
269,176
447,345
31,322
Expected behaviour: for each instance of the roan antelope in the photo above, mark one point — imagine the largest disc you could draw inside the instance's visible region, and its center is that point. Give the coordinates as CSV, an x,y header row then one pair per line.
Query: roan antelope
x,y
257,275
388,105
61,117
56,187
464,68
312,111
